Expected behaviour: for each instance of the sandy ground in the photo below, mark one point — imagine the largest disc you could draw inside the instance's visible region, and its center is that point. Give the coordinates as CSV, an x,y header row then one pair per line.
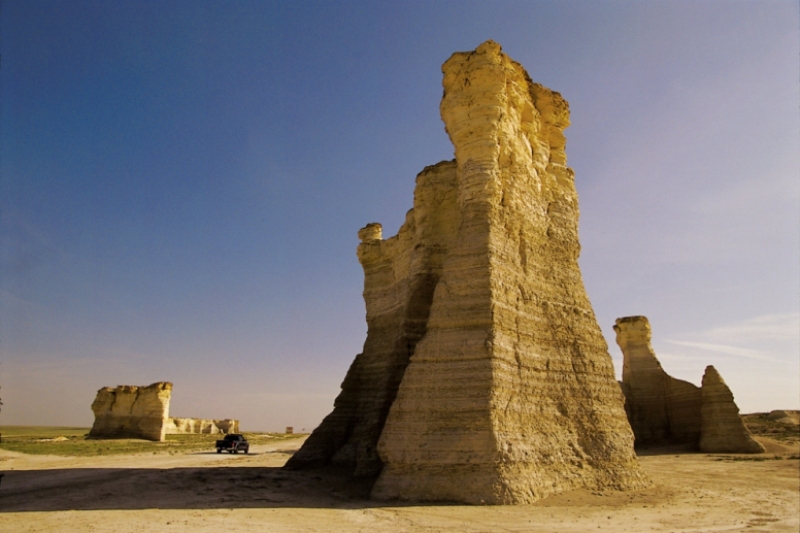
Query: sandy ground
x,y
205,492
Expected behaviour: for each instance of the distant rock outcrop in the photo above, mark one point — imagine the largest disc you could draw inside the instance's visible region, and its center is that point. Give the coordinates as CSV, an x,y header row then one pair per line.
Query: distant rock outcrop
x,y
201,426
484,377
783,416
722,429
132,412
663,410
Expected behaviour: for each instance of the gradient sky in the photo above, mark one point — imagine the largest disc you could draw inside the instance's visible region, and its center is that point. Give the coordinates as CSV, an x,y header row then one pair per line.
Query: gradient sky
x,y
181,186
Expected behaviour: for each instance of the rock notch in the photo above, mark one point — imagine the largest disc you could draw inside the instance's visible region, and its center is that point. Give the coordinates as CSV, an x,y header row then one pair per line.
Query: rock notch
x,y
484,377
664,411
134,412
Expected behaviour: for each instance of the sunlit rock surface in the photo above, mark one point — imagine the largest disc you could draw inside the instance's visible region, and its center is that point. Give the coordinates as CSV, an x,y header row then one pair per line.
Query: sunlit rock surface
x,y
484,377
132,412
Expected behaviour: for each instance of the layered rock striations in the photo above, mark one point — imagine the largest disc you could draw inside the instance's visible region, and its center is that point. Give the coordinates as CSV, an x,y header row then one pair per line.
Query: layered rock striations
x,y
132,412
485,377
663,410
400,275
722,429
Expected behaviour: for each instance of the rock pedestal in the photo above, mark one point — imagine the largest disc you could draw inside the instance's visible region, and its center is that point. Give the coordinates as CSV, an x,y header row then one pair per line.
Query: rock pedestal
x,y
132,412
484,377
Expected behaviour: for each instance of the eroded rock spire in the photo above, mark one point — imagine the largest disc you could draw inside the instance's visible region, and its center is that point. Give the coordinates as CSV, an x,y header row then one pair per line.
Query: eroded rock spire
x,y
485,377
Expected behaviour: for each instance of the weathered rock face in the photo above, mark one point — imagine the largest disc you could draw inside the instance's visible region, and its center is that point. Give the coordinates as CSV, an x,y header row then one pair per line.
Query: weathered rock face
x,y
661,409
723,430
132,412
400,275
482,345
201,425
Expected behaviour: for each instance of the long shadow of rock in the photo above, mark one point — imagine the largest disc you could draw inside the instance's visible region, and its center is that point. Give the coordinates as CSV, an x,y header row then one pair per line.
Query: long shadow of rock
x,y
180,488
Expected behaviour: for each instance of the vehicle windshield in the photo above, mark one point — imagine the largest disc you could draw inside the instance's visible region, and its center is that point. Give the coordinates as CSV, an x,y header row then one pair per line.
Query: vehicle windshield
x,y
231,437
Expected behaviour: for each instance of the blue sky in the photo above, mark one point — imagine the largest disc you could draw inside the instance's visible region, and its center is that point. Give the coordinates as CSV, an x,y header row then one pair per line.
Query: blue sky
x,y
181,186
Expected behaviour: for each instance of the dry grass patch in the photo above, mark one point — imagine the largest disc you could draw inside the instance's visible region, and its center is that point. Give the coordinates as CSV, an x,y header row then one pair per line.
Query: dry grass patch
x,y
72,442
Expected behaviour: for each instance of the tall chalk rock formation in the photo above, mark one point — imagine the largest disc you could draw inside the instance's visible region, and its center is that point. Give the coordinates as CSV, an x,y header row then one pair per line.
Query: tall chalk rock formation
x,y
132,412
661,409
484,377
723,430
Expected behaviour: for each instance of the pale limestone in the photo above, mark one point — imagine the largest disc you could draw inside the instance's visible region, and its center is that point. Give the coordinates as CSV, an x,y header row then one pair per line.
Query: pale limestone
x,y
177,426
132,412
482,345
663,410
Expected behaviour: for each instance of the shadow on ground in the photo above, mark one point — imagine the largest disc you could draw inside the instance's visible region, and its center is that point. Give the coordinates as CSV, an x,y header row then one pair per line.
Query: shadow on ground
x,y
180,488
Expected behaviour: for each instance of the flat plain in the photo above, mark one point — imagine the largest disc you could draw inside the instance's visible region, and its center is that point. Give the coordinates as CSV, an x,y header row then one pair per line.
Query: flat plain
x,y
186,486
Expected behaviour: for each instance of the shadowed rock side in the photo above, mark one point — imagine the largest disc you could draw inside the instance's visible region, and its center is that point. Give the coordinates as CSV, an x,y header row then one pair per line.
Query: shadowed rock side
x,y
723,430
661,409
400,275
510,395
131,412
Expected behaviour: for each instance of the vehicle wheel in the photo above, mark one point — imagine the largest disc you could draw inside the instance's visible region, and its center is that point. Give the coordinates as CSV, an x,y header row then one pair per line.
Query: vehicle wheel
x,y
230,451
219,451
247,450
235,451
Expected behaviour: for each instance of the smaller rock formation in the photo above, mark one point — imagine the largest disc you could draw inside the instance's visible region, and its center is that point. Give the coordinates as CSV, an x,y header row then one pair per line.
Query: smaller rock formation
x,y
663,410
177,426
722,429
131,412
202,426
